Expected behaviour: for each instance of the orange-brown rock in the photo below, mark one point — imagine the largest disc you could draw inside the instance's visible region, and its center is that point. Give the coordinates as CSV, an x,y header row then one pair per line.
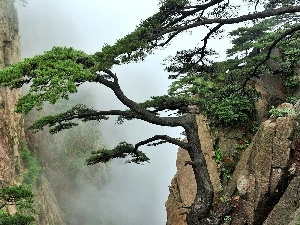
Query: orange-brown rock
x,y
262,172
183,186
12,133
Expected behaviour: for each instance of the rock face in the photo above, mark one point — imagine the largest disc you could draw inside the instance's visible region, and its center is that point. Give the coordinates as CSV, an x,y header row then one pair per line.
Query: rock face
x,y
287,209
182,190
271,89
262,173
12,133
265,181
47,210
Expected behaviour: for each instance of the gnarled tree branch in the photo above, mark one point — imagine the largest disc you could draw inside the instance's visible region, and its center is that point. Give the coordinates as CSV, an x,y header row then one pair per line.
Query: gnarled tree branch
x,y
135,107
234,20
166,139
269,52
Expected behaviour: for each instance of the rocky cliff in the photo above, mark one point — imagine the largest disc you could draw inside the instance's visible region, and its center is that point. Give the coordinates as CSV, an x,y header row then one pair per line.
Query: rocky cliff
x,y
261,176
12,134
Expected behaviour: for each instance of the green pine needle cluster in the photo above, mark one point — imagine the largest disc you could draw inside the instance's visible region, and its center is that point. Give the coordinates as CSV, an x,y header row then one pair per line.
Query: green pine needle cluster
x,y
122,150
52,76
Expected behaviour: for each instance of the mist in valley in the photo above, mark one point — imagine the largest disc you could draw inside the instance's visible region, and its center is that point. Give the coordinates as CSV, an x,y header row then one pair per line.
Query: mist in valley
x,y
130,194
125,193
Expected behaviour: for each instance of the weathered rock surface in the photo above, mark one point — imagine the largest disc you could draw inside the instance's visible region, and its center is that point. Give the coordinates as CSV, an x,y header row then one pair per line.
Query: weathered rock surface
x,y
12,133
262,178
182,190
262,173
208,151
183,185
285,209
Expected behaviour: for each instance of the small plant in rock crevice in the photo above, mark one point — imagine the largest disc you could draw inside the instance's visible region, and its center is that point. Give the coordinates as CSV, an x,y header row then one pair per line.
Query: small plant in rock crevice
x,y
224,199
224,165
227,218
275,112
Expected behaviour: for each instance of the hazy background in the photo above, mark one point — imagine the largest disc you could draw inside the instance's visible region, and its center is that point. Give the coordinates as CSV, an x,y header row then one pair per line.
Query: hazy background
x,y
135,194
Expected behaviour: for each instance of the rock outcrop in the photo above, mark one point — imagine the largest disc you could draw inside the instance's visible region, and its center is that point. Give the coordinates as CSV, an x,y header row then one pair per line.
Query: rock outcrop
x,y
287,209
263,172
12,134
265,182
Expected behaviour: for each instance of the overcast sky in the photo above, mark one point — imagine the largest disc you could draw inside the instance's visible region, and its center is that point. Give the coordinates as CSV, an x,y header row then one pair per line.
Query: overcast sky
x,y
86,25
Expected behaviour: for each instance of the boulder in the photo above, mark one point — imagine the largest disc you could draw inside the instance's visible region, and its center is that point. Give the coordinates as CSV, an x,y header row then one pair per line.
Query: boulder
x,y
263,172
285,210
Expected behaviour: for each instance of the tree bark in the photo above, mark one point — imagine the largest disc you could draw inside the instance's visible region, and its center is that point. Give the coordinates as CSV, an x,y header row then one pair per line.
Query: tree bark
x,y
200,209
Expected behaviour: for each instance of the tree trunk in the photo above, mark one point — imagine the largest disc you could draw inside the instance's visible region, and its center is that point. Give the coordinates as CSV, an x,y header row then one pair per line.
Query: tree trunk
x,y
199,211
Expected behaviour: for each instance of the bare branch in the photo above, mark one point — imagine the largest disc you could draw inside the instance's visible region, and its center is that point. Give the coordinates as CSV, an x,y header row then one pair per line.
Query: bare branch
x,y
207,5
170,38
166,138
94,115
256,15
203,48
196,8
122,150
273,45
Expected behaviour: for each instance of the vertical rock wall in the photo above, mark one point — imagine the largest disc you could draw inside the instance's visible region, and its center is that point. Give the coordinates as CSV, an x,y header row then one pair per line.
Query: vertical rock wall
x,y
12,133
265,182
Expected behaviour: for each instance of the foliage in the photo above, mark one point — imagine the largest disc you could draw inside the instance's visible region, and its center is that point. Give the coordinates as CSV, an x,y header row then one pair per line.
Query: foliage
x,y
160,103
20,196
292,99
219,159
211,98
219,156
52,120
16,219
52,76
281,112
234,110
227,218
120,151
241,146
178,197
32,165
224,199
279,3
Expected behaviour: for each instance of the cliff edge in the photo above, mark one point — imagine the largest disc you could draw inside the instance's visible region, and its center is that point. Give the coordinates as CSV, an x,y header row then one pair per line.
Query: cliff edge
x,y
12,133
257,172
